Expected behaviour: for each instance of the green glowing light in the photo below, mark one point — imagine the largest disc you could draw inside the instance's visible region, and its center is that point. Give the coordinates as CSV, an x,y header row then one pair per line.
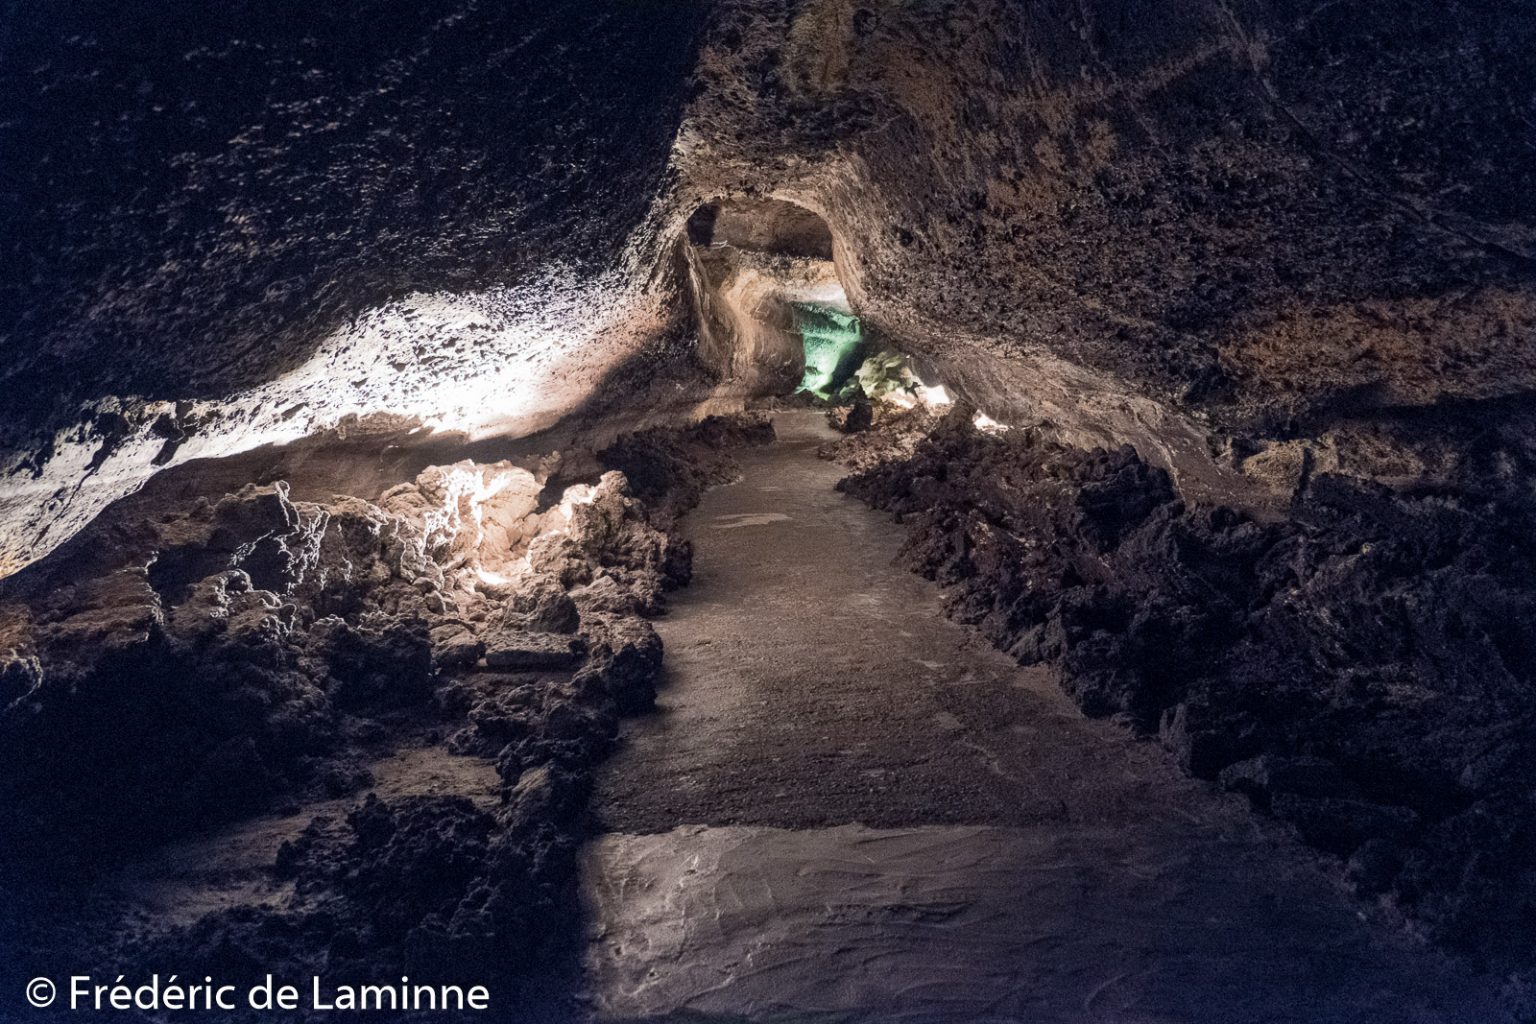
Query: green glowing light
x,y
833,343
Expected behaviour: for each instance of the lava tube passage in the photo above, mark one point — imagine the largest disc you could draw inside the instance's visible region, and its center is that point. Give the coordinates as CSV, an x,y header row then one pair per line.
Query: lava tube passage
x,y
834,346
768,510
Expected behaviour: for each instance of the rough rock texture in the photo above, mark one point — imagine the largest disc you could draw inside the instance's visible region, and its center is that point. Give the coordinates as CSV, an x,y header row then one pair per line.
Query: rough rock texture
x,y
187,180
206,666
1284,249
1364,669
1145,223
1209,228
901,431
254,653
667,473
748,264
226,228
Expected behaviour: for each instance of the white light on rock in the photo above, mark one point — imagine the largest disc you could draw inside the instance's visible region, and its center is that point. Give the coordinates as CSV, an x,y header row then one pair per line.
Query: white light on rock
x,y
986,423
505,360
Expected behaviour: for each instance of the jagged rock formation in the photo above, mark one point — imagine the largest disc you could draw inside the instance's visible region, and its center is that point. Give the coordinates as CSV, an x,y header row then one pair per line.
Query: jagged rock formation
x,y
1159,225
1236,235
197,198
236,228
1363,670
188,671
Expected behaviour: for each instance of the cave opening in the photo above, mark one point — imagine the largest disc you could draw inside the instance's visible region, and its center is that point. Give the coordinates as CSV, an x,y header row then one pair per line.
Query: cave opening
x,y
772,314
774,226
834,346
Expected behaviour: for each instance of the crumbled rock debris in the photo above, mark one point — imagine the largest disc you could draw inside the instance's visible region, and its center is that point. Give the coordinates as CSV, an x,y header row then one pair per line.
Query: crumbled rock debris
x,y
252,653
1362,669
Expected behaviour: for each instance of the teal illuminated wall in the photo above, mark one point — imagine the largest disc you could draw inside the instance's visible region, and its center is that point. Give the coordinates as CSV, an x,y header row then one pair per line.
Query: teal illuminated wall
x,y
833,342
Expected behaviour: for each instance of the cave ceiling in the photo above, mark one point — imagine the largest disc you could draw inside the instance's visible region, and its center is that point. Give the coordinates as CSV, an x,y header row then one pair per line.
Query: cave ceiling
x,y
1206,228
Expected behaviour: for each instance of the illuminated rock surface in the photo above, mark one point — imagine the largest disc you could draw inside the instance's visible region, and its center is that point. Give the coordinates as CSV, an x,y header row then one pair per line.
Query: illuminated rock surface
x,y
277,656
236,228
1159,920
1286,226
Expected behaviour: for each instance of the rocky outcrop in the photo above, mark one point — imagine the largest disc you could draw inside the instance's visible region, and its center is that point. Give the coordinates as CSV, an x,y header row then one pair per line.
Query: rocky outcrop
x,y
255,652
232,230
1212,229
665,470
1283,250
1361,670
208,667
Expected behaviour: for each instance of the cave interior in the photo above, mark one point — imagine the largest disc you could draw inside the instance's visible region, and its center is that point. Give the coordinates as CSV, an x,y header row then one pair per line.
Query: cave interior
x,y
771,510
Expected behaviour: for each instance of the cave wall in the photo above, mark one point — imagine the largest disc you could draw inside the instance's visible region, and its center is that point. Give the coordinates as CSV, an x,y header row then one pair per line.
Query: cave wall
x,y
1248,238
196,194
228,226
748,266
1171,223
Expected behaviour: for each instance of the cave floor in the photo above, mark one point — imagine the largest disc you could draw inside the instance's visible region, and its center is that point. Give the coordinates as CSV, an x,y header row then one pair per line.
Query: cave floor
x,y
849,808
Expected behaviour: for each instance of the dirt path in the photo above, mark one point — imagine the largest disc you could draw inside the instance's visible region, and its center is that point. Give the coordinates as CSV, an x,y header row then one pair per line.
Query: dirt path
x,y
848,807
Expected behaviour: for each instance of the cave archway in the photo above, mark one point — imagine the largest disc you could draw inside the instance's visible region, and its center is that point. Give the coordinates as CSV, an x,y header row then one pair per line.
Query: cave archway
x,y
762,225
772,312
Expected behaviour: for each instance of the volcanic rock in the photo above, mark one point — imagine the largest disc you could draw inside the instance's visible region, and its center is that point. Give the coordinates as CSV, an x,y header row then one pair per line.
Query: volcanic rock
x,y
625,660
511,649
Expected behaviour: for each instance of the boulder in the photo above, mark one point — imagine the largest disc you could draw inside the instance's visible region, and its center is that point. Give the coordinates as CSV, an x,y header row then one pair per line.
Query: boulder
x,y
541,605
606,596
454,645
852,418
625,661
510,649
